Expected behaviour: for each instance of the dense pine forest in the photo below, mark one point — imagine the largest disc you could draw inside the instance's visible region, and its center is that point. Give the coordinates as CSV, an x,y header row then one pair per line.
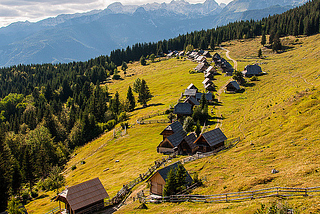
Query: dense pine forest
x,y
47,110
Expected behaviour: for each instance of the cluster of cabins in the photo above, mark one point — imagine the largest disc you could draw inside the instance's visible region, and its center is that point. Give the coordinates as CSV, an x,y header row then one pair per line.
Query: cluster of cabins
x,y
175,139
190,98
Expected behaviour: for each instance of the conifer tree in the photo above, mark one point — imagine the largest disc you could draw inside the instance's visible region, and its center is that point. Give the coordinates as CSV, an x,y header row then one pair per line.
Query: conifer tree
x,y
260,53
263,39
137,85
144,93
170,186
130,100
143,61
124,66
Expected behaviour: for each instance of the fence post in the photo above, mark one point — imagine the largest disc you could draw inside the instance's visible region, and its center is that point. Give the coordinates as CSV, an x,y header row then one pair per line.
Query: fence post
x,y
226,197
306,192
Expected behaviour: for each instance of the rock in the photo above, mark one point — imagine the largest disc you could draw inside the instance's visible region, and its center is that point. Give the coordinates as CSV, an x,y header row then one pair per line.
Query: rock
x,y
274,171
106,169
117,161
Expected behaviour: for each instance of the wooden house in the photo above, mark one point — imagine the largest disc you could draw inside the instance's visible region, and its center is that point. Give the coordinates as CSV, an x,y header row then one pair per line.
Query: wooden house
x,y
200,59
209,141
201,67
191,86
182,109
86,197
216,57
209,87
172,137
192,101
252,70
158,179
208,75
186,145
209,96
207,81
232,86
181,53
211,70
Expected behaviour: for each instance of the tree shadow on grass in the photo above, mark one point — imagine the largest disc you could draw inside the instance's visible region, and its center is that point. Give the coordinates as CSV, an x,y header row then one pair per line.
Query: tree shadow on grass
x,y
249,84
153,104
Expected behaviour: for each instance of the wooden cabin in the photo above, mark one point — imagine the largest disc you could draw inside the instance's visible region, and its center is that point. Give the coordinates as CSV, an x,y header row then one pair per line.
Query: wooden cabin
x,y
182,109
186,146
86,197
232,86
158,179
252,70
209,141
192,101
206,54
209,96
190,92
211,70
174,127
192,86
172,137
201,67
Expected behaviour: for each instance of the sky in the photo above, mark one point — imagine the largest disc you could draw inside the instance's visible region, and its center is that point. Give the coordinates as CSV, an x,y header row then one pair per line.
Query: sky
x,y
35,10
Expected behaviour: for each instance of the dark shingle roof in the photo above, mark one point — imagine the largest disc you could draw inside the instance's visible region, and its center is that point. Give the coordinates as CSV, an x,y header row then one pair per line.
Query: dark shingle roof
x,y
208,96
190,140
192,100
252,70
200,67
190,92
176,127
175,139
214,137
183,108
234,84
164,172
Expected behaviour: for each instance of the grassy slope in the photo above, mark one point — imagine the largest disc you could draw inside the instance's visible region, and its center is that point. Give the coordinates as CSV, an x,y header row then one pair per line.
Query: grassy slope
x,y
278,121
277,115
137,150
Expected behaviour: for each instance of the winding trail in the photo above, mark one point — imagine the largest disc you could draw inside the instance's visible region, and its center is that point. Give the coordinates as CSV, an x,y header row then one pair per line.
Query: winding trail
x,y
220,91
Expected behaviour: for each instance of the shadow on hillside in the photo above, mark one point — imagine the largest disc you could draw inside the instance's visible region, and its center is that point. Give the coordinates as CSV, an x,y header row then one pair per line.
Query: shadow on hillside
x,y
154,104
249,84
214,120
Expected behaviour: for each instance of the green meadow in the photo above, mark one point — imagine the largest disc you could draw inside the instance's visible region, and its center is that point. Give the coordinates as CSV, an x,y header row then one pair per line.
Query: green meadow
x,y
276,117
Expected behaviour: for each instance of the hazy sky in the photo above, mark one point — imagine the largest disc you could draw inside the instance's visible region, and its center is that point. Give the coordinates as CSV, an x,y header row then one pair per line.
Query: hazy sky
x,y
35,10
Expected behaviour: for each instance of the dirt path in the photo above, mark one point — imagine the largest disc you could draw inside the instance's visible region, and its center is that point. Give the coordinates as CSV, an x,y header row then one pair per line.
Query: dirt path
x,y
220,91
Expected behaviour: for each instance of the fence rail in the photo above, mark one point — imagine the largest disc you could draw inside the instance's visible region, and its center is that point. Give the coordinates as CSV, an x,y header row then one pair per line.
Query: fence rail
x,y
239,196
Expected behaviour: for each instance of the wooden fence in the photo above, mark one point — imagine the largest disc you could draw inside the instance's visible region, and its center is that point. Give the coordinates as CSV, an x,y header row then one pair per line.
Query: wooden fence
x,y
239,196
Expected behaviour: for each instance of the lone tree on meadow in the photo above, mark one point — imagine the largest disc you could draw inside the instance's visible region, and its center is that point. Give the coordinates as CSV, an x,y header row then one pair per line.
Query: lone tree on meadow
x,y
143,61
131,102
238,76
124,66
260,53
263,39
144,93
152,57
137,85
276,45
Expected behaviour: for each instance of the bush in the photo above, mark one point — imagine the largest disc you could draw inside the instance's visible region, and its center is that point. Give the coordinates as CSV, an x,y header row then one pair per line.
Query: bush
x,y
123,117
73,167
168,111
116,77
25,197
124,125
111,124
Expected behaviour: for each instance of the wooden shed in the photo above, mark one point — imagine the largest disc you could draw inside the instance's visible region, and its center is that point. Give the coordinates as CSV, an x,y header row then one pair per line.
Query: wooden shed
x,y
182,109
209,141
252,70
232,86
158,179
86,197
192,86
186,146
201,67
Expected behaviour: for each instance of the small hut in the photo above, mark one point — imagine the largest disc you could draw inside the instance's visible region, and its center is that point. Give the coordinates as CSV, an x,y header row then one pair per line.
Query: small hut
x,y
201,67
192,101
192,86
158,179
209,141
252,70
190,92
186,146
206,54
182,109
86,197
209,96
232,86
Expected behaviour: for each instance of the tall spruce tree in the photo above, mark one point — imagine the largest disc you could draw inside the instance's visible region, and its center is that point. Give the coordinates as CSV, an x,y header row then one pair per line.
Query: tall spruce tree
x,y
144,93
263,39
130,100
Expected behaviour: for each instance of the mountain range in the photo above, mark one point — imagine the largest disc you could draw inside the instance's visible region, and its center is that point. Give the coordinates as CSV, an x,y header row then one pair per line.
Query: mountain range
x,y
78,37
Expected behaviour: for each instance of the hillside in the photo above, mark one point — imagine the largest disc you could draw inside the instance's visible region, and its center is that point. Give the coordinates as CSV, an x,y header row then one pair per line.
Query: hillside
x,y
277,119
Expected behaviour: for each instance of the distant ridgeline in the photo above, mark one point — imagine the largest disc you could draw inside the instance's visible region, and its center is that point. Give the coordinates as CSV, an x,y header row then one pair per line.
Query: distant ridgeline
x,y
303,20
47,110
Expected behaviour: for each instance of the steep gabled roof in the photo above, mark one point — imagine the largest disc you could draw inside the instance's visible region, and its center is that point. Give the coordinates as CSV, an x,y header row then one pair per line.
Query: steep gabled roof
x,y
208,96
200,67
175,139
183,108
165,171
192,86
211,69
252,70
176,127
190,92
206,81
190,139
234,84
84,194
214,137
192,100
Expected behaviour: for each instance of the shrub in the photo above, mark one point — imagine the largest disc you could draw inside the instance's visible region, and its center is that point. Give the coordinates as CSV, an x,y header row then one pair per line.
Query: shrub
x,y
123,117
34,194
73,167
111,124
254,78
116,77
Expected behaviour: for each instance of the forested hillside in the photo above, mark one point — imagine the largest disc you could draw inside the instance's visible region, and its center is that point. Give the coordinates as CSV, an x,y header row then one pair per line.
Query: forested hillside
x,y
47,110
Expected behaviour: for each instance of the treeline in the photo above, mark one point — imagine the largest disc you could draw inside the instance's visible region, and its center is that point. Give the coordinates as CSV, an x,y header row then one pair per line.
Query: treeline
x,y
303,20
